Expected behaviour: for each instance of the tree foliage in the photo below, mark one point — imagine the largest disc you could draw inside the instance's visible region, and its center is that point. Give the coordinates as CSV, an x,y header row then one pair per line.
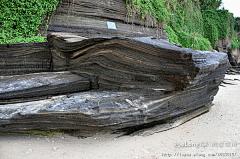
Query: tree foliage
x,y
217,24
210,4
187,22
195,24
237,24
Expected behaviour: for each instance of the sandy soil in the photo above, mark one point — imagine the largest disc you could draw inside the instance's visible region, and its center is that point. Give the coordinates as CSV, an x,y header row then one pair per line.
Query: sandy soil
x,y
215,134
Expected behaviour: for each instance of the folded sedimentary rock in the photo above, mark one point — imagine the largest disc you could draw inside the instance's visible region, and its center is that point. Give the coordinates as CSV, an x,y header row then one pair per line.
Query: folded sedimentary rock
x,y
23,58
135,83
124,63
20,88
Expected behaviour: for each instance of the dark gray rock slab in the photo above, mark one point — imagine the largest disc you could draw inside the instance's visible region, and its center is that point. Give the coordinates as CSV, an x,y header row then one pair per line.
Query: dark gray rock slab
x,y
24,58
99,110
20,88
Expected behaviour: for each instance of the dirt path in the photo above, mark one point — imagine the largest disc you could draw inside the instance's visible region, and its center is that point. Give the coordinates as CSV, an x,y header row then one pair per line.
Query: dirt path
x,y
215,134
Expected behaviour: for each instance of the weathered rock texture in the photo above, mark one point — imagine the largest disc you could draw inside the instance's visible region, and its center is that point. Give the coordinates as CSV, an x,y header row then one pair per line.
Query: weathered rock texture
x,y
89,18
235,57
20,88
108,62
23,58
134,82
223,45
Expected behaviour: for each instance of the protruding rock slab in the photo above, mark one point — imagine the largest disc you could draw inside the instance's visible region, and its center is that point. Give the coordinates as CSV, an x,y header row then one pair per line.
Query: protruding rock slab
x,y
99,110
20,88
24,58
144,63
135,83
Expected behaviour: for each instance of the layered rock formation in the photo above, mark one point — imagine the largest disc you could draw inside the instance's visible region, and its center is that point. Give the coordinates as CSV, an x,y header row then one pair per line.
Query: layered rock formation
x,y
89,18
29,87
134,82
234,57
223,45
23,58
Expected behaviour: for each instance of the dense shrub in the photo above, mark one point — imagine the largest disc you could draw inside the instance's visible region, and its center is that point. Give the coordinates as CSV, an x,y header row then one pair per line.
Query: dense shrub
x,y
20,19
173,38
235,43
151,10
195,24
237,24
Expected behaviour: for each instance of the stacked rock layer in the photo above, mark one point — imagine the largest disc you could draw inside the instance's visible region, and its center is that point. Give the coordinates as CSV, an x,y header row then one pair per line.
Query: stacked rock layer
x,y
124,83
89,18
24,58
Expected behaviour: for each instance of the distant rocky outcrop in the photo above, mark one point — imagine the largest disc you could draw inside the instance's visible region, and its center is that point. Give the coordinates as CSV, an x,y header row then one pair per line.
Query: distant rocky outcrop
x,y
123,84
234,57
223,45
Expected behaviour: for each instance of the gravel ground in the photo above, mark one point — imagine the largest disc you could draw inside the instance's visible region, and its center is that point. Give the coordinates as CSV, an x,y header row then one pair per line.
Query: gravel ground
x,y
215,135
